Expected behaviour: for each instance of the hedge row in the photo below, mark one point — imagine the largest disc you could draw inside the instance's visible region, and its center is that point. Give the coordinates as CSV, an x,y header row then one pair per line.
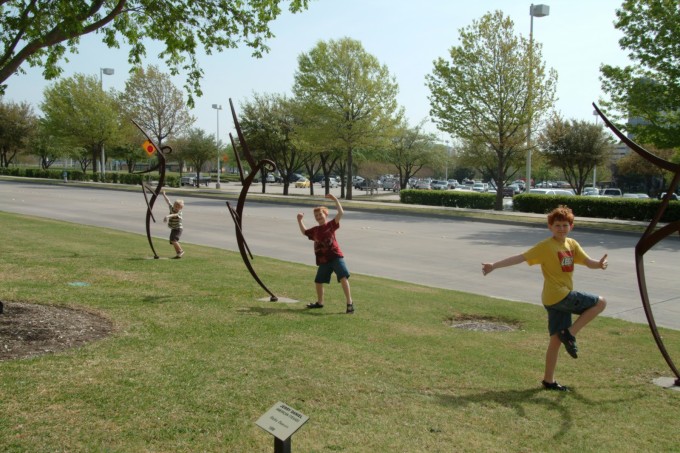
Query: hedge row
x,y
642,209
77,175
448,198
596,207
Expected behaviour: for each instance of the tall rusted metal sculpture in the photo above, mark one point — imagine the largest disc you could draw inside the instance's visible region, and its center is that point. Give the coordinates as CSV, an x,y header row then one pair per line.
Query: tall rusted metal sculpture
x,y
237,214
652,235
160,166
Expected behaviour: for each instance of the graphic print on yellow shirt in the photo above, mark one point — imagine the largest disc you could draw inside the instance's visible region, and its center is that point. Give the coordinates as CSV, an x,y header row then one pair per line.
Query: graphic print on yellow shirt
x,y
566,260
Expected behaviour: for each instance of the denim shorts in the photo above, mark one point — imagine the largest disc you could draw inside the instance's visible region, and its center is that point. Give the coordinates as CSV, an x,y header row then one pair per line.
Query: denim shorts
x,y
323,274
559,314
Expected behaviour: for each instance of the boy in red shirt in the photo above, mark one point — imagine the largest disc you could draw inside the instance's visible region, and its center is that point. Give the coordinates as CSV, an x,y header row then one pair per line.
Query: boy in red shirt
x,y
329,257
557,256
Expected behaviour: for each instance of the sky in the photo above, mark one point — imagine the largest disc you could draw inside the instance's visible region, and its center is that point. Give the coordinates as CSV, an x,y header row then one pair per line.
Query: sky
x,y
578,36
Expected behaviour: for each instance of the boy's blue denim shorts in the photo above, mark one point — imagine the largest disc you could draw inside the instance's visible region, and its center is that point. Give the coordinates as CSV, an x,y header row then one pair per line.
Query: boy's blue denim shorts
x,y
559,314
323,274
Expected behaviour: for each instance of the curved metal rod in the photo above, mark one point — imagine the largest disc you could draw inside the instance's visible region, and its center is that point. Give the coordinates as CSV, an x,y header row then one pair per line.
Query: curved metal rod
x,y
161,153
651,236
237,214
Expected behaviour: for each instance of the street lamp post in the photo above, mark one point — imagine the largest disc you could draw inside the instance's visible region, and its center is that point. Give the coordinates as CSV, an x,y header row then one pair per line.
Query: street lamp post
x,y
534,11
217,140
102,158
595,167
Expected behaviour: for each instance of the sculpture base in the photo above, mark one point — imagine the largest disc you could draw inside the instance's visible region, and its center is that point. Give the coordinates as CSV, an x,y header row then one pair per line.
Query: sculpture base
x,y
668,383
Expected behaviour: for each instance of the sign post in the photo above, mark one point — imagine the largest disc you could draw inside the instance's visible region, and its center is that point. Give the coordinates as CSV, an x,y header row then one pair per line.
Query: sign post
x,y
282,421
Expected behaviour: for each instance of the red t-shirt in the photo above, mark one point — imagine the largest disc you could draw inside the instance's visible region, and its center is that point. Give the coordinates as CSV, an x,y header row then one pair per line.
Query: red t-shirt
x,y
326,247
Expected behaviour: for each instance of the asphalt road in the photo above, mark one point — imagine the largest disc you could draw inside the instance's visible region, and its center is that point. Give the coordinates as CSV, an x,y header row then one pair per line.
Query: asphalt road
x,y
445,253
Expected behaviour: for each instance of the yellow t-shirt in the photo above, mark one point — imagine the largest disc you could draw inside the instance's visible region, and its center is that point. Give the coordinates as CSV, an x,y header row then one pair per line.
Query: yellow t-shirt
x,y
557,265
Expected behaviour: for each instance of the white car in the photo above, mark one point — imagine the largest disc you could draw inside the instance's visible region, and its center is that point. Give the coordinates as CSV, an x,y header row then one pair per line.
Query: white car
x,y
439,185
332,183
566,192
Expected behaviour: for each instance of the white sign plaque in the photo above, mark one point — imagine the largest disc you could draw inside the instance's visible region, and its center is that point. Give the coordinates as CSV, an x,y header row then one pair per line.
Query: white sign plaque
x,y
282,421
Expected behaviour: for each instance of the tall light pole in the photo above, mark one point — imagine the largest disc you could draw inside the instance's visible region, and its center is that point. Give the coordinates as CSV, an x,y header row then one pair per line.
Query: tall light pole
x,y
534,11
102,158
595,167
217,140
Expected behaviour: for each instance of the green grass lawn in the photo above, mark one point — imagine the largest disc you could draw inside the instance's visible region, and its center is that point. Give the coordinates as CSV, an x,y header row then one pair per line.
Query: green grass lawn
x,y
196,357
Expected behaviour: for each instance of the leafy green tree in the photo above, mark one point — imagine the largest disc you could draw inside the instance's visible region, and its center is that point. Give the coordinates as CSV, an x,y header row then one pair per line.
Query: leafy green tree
x,y
410,150
127,143
80,114
647,91
576,147
156,104
46,146
17,122
268,122
197,148
490,92
41,32
350,93
633,168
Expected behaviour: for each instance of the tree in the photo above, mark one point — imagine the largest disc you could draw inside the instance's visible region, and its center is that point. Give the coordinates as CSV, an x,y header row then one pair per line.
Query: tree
x,y
17,123
46,146
647,93
156,104
410,150
349,92
576,147
80,114
197,148
633,168
268,122
490,91
40,32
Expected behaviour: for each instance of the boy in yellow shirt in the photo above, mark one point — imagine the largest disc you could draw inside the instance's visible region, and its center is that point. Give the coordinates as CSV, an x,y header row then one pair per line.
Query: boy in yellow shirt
x,y
557,256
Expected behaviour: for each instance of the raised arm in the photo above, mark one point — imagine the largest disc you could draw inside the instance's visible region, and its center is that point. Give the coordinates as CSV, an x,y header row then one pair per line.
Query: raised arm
x,y
166,198
509,261
300,224
338,207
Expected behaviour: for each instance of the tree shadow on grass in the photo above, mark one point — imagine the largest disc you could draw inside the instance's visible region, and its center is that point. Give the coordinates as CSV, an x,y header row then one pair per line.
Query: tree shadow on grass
x,y
520,400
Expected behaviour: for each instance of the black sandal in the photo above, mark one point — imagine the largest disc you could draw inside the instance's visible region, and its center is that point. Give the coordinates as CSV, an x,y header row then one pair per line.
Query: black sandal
x,y
569,342
555,386
315,305
350,309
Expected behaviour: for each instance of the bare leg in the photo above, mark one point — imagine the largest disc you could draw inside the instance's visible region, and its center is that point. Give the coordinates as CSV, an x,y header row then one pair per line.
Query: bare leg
x,y
178,248
319,293
551,358
345,288
588,316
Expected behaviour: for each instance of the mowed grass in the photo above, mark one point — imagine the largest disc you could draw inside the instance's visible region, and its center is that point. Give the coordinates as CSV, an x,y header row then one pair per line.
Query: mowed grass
x,y
196,357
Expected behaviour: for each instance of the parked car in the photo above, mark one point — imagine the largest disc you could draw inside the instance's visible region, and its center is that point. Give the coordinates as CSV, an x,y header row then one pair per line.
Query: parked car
x,y
673,196
368,184
611,192
590,191
332,183
190,180
391,184
423,184
508,191
453,183
480,187
439,185
635,195
566,192
302,183
294,177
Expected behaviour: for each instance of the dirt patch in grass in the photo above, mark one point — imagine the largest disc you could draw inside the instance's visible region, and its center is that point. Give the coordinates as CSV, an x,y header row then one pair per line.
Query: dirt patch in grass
x,y
481,323
29,330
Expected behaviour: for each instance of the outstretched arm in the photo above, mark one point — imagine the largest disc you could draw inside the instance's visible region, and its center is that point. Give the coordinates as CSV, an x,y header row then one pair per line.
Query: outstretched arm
x,y
338,207
510,261
595,264
300,224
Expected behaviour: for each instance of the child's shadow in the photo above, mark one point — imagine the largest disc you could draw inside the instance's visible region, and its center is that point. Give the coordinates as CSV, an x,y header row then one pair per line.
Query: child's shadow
x,y
266,311
518,400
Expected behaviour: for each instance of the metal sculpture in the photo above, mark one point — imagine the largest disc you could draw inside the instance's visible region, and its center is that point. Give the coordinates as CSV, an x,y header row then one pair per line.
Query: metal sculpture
x,y
237,214
160,166
652,235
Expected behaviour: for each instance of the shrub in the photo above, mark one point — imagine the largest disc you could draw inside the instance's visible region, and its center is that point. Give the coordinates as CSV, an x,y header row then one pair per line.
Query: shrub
x,y
448,198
